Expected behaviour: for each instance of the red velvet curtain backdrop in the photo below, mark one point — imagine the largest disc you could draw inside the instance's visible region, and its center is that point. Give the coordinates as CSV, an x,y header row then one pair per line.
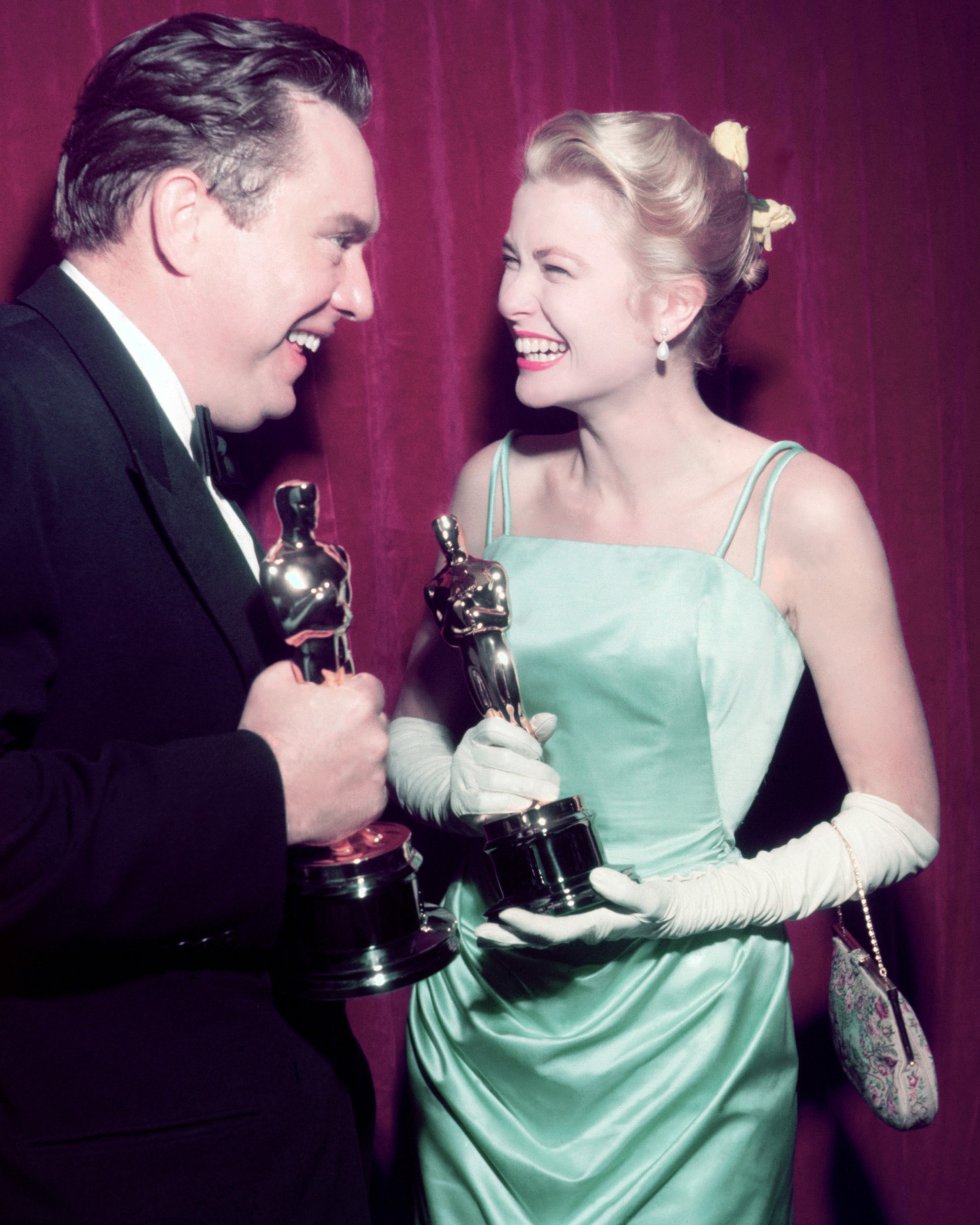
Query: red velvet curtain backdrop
x,y
861,116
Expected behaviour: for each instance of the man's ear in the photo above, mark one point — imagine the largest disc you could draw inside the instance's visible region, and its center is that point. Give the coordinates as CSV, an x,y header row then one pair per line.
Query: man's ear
x,y
178,205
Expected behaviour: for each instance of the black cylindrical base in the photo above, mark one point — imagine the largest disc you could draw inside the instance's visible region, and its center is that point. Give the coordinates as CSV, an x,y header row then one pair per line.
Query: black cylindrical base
x,y
541,858
355,924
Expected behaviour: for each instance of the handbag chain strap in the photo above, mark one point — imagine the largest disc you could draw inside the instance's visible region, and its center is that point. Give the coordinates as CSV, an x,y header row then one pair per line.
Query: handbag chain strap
x,y
890,989
864,903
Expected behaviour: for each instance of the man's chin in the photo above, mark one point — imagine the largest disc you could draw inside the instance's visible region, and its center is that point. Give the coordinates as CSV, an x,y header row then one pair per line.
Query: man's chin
x,y
276,414
240,420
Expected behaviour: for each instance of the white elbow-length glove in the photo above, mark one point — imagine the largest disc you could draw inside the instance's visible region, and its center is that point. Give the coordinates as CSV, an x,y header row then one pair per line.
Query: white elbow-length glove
x,y
497,767
806,874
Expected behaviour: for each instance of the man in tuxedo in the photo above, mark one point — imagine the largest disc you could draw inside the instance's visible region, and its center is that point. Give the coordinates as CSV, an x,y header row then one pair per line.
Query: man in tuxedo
x,y
157,756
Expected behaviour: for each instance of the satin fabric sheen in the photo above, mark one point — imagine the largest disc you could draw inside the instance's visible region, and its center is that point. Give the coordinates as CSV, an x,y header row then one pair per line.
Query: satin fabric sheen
x,y
641,1081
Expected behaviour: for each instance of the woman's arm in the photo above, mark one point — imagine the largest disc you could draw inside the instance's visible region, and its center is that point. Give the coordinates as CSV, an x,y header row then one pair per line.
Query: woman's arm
x,y
842,608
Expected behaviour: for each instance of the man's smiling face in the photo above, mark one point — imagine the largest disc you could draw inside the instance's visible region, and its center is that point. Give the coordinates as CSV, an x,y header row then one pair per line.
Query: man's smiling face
x,y
269,293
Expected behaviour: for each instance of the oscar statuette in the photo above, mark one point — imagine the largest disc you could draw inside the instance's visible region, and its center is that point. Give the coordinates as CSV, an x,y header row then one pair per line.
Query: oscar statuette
x,y
540,857
355,924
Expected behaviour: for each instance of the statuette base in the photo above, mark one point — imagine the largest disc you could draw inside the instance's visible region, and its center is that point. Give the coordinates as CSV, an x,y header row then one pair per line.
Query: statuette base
x,y
357,925
541,858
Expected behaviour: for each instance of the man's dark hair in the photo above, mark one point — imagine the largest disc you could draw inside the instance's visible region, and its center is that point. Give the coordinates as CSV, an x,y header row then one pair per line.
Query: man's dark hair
x,y
208,92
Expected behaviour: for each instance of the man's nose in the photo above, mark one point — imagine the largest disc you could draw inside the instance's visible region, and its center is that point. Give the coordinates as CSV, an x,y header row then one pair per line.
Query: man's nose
x,y
354,297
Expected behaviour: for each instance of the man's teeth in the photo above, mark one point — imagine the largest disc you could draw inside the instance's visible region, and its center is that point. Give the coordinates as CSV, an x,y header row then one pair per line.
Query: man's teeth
x,y
538,349
305,340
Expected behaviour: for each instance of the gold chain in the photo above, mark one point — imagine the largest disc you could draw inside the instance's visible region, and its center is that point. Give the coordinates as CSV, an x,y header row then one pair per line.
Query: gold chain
x,y
864,901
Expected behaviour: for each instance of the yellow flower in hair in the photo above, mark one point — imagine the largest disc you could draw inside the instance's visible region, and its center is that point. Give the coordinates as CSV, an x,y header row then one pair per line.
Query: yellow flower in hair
x,y
728,139
767,218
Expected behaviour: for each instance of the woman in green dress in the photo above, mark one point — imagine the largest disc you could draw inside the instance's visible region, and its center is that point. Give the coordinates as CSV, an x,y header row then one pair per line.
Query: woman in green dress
x,y
669,575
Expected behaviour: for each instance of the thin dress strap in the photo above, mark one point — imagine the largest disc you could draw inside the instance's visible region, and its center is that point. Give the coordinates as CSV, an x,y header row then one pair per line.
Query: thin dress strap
x,y
499,471
785,451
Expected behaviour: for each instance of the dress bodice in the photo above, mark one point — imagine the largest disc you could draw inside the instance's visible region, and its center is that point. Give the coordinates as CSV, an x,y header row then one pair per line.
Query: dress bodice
x,y
671,674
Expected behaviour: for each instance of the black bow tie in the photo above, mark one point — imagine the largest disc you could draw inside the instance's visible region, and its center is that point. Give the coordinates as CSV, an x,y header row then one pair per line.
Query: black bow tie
x,y
210,453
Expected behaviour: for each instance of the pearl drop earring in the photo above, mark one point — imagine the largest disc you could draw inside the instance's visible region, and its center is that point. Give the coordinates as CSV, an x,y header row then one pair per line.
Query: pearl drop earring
x,y
663,351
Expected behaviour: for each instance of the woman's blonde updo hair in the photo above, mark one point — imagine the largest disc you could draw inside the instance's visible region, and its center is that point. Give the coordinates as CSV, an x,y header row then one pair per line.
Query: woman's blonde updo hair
x,y
685,205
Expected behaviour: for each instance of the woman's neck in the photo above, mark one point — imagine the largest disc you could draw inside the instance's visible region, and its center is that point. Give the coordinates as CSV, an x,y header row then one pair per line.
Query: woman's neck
x,y
625,449
657,470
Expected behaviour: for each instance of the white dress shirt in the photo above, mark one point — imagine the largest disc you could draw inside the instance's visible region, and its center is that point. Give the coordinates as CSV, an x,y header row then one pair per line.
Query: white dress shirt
x,y
169,394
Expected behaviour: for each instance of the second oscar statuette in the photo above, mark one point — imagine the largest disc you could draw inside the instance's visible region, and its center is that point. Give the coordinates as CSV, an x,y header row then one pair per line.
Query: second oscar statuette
x,y
540,857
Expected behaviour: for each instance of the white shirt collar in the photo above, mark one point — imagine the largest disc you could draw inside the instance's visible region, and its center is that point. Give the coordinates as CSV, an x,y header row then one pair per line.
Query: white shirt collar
x,y
169,393
154,367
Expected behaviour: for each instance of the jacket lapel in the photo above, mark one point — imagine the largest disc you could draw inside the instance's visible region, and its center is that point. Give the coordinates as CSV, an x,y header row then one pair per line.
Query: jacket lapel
x,y
167,479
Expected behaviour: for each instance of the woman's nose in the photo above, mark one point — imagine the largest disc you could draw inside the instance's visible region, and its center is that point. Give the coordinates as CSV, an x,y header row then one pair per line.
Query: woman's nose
x,y
514,298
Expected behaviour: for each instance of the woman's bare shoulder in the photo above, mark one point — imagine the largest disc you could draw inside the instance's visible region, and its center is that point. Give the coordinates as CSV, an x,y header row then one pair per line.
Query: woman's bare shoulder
x,y
817,501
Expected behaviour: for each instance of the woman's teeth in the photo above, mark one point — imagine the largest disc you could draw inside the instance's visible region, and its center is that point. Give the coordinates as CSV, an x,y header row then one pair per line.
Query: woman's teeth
x,y
538,349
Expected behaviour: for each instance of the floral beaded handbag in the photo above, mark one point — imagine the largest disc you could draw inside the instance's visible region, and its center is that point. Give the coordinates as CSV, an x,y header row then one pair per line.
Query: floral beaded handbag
x,y
877,1036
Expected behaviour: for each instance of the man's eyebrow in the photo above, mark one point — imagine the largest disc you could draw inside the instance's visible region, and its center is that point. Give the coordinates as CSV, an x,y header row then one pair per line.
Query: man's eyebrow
x,y
353,226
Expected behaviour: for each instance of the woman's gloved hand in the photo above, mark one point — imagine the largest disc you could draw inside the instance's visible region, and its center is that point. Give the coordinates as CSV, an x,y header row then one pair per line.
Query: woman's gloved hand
x,y
496,768
806,874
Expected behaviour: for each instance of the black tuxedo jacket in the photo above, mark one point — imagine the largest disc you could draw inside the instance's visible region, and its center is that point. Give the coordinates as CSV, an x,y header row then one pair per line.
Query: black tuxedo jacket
x,y
146,1074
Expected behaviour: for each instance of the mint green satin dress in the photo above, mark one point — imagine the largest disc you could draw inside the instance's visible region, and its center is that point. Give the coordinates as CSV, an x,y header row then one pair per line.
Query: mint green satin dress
x,y
639,1081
